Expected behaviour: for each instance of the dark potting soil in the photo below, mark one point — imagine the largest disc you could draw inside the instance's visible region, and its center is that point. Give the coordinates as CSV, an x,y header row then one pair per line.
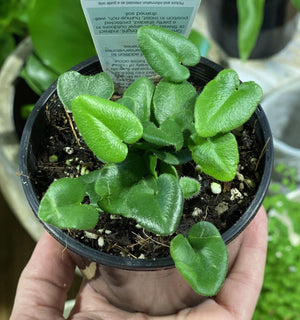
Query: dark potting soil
x,y
63,153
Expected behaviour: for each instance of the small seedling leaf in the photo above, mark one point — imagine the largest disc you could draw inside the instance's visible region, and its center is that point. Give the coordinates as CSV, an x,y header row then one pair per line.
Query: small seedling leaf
x,y
201,258
218,156
67,212
165,50
156,204
72,84
225,104
107,122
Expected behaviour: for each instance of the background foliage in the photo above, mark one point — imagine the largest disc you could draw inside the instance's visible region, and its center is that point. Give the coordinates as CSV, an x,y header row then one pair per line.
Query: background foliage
x,y
280,296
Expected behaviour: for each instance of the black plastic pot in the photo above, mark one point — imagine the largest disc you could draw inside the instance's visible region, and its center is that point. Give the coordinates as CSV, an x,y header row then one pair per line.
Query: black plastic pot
x,y
279,25
116,277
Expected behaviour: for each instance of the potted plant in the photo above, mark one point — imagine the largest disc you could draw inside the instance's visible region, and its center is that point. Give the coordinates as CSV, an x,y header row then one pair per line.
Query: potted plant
x,y
252,29
136,183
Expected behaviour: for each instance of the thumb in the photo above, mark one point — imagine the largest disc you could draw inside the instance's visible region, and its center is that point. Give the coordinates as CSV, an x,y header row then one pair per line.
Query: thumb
x,y
44,283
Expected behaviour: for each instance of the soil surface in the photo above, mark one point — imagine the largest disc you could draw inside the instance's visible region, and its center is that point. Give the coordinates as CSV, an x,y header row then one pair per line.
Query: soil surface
x,y
63,153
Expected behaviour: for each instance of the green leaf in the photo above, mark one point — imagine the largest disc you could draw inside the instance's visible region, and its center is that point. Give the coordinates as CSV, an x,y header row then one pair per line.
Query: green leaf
x,y
104,125
296,3
67,212
201,258
190,187
26,110
153,165
165,50
72,84
88,182
167,134
218,156
231,106
174,158
185,120
37,75
60,34
141,91
114,182
171,98
157,204
200,41
250,16
167,168
128,102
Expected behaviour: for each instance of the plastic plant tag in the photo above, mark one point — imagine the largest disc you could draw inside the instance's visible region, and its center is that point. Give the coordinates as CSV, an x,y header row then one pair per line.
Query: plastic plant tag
x,y
114,24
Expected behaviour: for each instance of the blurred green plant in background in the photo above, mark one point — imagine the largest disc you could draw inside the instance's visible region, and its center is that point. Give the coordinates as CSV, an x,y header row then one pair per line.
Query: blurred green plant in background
x,y
13,24
280,296
59,34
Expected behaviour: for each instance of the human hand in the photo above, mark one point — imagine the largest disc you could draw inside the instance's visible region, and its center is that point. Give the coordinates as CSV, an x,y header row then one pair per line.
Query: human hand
x,y
45,281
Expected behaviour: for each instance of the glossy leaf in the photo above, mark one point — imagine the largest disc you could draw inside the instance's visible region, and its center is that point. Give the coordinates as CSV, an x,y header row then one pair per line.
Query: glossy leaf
x,y
167,134
250,19
172,98
67,212
201,258
38,76
165,50
190,187
104,125
218,156
141,91
60,34
225,104
72,84
115,181
156,204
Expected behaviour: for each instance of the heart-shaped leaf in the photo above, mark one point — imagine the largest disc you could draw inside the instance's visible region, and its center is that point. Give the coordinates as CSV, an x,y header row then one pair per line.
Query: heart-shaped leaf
x,y
225,104
218,156
157,204
165,50
104,125
72,84
172,98
114,182
167,134
141,91
201,258
67,212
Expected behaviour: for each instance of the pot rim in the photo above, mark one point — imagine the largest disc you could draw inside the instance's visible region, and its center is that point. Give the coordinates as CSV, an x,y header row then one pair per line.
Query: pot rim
x,y
124,262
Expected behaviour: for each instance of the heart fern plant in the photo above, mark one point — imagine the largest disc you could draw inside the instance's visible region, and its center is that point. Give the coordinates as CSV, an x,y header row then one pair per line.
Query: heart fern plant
x,y
143,139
